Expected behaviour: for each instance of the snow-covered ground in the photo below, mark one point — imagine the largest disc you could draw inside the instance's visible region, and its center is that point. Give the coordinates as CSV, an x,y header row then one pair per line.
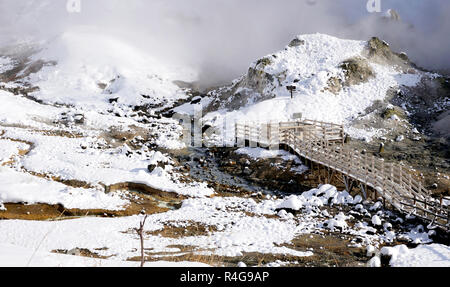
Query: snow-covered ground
x,y
235,230
14,256
88,89
19,187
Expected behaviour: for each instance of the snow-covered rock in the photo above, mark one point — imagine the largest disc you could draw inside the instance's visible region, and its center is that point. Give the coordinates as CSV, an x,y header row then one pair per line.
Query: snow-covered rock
x,y
374,262
376,221
371,251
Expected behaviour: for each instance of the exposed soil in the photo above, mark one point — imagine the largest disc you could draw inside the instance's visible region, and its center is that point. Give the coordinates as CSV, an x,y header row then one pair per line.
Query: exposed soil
x,y
328,251
183,229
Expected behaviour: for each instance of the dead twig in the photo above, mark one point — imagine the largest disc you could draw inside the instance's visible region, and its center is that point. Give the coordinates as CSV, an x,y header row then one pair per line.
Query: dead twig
x,y
140,232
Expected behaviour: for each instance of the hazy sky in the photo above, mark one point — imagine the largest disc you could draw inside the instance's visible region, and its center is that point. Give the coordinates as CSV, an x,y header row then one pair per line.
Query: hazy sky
x,y
221,37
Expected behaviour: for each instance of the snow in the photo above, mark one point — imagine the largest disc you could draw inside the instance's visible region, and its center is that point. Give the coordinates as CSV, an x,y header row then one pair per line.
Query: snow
x,y
86,58
237,232
375,262
70,161
6,64
82,61
433,255
241,265
260,153
338,222
18,187
15,256
376,221
371,250
418,235
367,134
20,111
400,138
292,202
312,65
316,198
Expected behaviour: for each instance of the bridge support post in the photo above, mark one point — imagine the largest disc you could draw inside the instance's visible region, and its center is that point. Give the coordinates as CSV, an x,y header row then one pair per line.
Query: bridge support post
x,y
364,191
319,170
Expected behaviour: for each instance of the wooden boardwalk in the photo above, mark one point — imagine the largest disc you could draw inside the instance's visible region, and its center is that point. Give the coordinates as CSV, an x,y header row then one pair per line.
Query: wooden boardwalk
x,y
323,144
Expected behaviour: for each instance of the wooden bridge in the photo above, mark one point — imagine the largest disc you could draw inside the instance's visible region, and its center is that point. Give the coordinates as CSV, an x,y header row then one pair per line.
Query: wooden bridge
x,y
323,145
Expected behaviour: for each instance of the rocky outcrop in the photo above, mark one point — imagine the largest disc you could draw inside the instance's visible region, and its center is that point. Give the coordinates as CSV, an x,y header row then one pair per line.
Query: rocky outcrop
x,y
357,71
296,42
380,52
266,77
257,83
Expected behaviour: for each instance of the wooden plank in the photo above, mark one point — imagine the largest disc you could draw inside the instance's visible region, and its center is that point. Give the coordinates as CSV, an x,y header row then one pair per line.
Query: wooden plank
x,y
425,211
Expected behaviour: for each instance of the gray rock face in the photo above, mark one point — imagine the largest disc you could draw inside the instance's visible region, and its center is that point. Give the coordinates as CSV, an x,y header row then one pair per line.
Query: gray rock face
x,y
255,85
357,71
296,42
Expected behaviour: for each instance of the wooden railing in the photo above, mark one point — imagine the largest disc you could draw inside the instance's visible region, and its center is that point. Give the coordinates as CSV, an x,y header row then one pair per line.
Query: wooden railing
x,y
323,143
269,134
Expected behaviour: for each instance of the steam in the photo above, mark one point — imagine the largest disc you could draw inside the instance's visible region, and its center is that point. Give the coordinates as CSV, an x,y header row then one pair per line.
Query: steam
x,y
221,37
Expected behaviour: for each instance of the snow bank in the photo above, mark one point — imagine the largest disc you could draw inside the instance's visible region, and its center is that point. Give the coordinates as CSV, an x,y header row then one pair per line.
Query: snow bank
x,y
18,187
21,111
86,59
434,255
76,158
324,195
9,149
15,256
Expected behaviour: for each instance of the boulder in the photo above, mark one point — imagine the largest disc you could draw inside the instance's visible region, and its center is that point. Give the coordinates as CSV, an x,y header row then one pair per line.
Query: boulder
x,y
296,42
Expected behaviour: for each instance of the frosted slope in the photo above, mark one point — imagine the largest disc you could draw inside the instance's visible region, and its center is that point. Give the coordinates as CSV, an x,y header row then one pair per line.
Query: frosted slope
x,y
309,67
86,59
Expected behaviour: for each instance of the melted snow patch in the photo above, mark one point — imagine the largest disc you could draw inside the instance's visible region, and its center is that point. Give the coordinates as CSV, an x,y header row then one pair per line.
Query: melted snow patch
x,y
15,256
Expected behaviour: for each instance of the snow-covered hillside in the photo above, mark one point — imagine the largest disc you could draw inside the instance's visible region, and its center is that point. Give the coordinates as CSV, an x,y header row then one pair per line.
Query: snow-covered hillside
x,y
88,69
336,81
